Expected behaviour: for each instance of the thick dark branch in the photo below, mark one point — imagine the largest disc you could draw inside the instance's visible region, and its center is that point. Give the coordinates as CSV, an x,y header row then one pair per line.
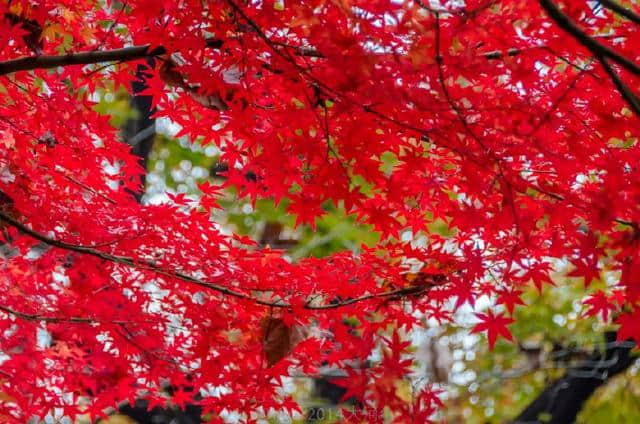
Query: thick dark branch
x,y
152,266
622,11
84,58
126,54
598,49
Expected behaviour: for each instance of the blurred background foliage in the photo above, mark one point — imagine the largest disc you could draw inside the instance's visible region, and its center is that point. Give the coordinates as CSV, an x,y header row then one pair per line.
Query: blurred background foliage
x,y
550,333
551,336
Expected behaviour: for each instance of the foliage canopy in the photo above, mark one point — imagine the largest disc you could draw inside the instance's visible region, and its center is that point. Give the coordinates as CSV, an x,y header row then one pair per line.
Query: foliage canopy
x,y
486,143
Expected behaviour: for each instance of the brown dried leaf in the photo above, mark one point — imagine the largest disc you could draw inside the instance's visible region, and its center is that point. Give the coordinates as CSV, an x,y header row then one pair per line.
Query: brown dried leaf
x,y
279,339
276,339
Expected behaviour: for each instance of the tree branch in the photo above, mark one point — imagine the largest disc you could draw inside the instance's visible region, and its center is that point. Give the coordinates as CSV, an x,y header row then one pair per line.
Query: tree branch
x,y
601,51
152,266
43,318
622,11
445,90
598,49
563,398
126,54
626,93
85,58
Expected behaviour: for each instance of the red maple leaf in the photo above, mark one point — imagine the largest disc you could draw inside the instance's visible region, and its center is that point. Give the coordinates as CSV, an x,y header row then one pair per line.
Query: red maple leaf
x,y
600,303
510,298
495,325
629,326
587,268
319,106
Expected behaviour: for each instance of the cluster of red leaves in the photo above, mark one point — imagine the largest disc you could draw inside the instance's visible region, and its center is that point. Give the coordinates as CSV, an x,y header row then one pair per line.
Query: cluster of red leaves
x,y
499,123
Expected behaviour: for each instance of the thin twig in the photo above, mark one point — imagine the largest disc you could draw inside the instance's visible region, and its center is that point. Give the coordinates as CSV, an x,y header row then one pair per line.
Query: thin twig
x,y
86,187
44,318
111,26
152,266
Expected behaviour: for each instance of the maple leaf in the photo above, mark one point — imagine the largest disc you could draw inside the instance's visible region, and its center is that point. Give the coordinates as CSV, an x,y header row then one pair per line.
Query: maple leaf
x,y
182,397
539,275
355,384
155,401
210,189
464,292
428,403
210,193
587,268
510,298
629,326
179,199
495,325
393,358
599,303
300,108
618,297
306,211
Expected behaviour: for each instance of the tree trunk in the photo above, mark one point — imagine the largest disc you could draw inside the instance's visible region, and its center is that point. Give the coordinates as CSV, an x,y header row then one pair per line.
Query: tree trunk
x,y
561,401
